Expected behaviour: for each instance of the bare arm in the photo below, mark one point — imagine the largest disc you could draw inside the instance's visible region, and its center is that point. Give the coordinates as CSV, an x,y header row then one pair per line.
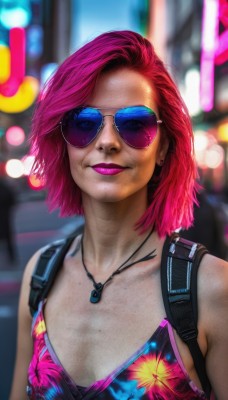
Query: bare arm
x,y
213,297
24,340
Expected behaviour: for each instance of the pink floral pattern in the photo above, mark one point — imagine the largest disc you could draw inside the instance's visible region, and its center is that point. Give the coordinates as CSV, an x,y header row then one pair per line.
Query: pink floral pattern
x,y
154,372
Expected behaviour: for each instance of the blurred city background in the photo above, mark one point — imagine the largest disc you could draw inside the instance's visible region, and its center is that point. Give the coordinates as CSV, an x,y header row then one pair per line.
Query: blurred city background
x,y
191,37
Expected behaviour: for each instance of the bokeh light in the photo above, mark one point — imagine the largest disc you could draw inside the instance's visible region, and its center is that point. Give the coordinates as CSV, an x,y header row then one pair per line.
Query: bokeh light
x,y
223,132
192,91
15,13
35,183
201,140
15,135
208,153
214,156
14,168
28,161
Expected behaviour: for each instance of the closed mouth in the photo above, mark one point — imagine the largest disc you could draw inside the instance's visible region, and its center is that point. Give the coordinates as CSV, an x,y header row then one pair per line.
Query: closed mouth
x,y
108,166
108,169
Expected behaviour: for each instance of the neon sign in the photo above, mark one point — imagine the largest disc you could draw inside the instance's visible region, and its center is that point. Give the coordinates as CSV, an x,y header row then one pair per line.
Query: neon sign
x,y
214,48
221,54
209,40
17,91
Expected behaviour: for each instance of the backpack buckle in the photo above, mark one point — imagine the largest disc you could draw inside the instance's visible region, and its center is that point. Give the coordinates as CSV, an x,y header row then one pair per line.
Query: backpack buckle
x,y
37,282
188,334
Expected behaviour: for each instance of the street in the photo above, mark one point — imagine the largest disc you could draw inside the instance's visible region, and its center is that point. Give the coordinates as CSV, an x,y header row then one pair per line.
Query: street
x,y
34,228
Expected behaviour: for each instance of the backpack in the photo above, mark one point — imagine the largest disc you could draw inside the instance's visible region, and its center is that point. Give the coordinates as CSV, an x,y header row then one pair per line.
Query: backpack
x,y
179,265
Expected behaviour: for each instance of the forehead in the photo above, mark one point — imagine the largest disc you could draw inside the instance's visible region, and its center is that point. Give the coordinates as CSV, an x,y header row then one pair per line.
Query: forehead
x,y
121,88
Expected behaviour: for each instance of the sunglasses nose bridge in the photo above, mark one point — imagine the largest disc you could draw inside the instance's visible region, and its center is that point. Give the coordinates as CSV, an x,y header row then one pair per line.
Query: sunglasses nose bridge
x,y
107,132
108,115
113,120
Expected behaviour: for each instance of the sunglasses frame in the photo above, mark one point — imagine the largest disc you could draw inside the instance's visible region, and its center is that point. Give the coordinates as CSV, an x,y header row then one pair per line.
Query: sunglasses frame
x,y
159,121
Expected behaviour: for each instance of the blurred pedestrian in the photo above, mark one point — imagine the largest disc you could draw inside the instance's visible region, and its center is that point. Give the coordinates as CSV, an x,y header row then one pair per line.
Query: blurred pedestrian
x,y
7,203
208,227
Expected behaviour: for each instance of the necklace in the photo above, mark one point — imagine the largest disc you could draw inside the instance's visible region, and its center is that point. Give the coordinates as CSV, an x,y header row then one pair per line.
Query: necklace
x,y
96,293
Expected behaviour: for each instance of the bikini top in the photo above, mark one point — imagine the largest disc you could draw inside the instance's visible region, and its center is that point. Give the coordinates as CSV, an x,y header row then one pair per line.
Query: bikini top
x,y
155,371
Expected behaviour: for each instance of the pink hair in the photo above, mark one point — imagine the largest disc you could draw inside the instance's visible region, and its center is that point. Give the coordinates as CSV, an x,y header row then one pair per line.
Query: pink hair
x,y
172,188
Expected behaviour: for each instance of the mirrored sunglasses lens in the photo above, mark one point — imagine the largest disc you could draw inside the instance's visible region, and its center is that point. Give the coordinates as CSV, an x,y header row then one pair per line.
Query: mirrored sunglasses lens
x,y
80,126
137,126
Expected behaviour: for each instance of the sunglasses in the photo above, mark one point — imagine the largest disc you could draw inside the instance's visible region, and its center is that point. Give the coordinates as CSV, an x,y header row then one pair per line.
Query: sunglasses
x,y
136,125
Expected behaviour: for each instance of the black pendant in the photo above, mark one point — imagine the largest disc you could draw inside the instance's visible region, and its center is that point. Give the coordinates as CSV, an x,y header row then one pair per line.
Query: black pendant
x,y
95,295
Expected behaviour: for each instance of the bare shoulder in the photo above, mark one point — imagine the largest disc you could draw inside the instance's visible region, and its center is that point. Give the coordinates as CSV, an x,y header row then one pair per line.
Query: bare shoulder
x,y
24,339
25,286
213,282
213,320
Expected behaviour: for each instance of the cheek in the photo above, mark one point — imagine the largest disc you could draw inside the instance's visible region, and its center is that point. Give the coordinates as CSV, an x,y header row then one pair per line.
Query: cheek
x,y
145,168
149,158
148,162
75,156
148,168
74,161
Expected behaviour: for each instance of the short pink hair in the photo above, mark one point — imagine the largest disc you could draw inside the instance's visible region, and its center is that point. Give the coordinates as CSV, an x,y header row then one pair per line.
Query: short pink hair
x,y
172,189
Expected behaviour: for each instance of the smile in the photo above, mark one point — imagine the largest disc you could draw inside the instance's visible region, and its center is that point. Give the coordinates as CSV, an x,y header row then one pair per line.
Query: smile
x,y
108,169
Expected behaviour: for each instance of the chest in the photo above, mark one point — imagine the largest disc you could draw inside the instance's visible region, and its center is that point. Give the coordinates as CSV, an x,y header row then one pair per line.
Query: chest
x,y
91,340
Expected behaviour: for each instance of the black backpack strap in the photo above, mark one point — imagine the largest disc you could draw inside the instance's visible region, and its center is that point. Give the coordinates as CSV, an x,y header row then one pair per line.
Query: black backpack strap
x,y
179,267
46,269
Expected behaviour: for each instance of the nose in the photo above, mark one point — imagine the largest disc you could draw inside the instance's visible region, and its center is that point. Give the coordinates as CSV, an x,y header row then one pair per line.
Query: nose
x,y
108,139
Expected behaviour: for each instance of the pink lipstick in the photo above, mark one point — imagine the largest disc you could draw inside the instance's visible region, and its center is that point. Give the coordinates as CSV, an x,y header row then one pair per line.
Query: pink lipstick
x,y
108,169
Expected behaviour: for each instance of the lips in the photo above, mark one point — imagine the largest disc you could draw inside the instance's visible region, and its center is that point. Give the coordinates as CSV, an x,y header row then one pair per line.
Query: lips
x,y
108,169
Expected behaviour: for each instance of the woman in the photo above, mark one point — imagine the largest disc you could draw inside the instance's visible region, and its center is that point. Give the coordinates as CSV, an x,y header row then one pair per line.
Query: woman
x,y
113,140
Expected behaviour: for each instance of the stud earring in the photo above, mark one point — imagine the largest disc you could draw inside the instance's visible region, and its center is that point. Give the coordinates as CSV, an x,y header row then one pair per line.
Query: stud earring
x,y
161,163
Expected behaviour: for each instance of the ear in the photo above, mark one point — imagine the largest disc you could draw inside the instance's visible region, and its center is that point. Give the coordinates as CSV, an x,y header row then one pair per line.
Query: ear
x,y
162,150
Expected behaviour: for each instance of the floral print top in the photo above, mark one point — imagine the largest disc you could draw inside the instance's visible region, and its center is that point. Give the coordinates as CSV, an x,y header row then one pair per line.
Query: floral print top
x,y
154,372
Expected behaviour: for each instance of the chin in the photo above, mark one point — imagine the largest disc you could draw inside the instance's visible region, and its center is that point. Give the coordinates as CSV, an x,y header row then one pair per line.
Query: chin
x,y
116,195
109,198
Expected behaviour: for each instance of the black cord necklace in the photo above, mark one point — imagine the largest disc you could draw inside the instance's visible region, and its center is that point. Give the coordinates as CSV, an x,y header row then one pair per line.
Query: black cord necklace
x,y
96,293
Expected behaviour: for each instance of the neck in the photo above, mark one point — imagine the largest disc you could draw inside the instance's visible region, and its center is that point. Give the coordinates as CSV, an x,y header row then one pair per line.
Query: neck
x,y
109,235
96,293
